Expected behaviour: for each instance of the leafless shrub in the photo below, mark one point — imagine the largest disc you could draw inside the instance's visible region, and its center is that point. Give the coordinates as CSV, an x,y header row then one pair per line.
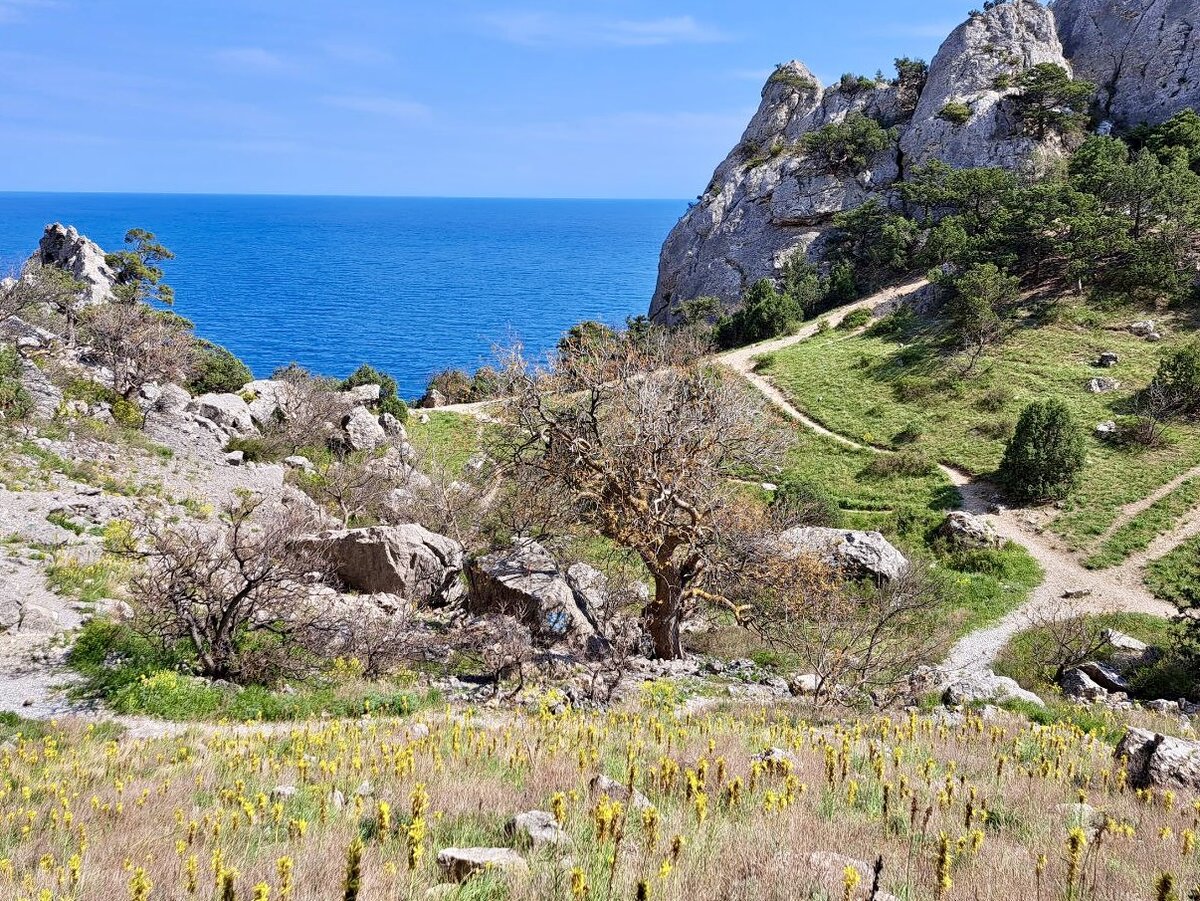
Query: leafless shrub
x,y
860,642
356,489
309,409
1063,636
238,596
504,651
383,643
140,345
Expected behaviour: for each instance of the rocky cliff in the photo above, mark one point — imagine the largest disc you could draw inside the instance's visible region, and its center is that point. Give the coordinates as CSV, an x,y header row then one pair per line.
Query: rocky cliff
x,y
64,248
769,199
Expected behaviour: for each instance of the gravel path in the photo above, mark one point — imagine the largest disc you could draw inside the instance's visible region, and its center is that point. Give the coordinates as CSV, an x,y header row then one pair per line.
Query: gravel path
x,y
1119,589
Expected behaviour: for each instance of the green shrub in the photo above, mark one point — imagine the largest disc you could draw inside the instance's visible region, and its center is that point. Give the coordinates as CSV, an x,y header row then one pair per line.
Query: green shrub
x,y
395,406
909,388
855,319
847,146
955,112
787,76
765,313
218,371
995,399
1046,454
15,402
910,433
1176,384
169,695
801,501
254,450
902,463
389,401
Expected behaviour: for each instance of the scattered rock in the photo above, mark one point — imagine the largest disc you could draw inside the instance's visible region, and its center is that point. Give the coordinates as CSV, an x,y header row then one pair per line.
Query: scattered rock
x,y
228,411
803,684
857,554
1142,328
1108,360
432,399
406,560
1075,683
297,461
1160,761
525,582
986,686
363,431
460,864
1106,429
1105,676
605,785
283,792
969,531
235,458
364,394
827,870
1103,385
1075,594
537,829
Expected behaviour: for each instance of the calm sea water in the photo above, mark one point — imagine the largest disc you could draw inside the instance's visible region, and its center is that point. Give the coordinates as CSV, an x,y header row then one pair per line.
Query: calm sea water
x,y
410,285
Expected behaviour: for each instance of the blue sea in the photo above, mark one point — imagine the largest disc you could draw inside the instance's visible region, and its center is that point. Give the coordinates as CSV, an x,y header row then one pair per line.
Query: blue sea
x,y
410,285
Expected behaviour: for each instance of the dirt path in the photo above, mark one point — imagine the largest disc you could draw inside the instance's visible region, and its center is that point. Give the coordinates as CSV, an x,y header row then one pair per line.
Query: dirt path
x,y
1129,511
1102,591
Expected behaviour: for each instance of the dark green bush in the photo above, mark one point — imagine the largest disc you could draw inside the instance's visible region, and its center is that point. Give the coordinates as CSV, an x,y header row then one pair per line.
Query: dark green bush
x,y
799,501
254,450
1046,454
1176,386
15,402
955,112
847,146
389,401
902,463
218,371
765,313
855,319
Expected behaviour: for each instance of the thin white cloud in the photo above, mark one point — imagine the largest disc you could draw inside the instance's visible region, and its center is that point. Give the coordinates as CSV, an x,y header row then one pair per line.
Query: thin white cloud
x,y
12,11
257,59
358,54
387,107
540,29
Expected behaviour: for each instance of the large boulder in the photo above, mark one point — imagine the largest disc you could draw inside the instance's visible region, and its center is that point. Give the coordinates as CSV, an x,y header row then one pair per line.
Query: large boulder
x,y
266,398
856,554
1142,55
64,248
977,66
1075,683
985,687
227,411
537,829
524,581
967,530
363,431
1160,761
406,560
460,864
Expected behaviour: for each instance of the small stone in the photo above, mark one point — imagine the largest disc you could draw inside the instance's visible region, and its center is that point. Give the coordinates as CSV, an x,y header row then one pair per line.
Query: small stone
x,y
235,458
1142,328
1106,429
1108,359
536,828
284,792
460,864
297,461
1103,385
604,785
365,789
1075,594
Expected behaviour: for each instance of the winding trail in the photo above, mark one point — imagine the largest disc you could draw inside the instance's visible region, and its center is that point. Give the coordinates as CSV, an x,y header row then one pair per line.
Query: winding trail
x,y
1130,511
1112,590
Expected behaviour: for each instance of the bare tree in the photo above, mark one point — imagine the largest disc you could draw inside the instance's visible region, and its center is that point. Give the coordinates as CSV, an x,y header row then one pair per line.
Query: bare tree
x,y
1062,636
860,643
140,345
637,439
45,287
309,409
356,488
238,596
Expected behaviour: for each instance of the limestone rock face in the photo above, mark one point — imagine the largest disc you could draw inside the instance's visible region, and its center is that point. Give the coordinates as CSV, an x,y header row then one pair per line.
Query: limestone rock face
x,y
525,582
858,554
999,44
64,248
1143,55
768,200
229,411
407,560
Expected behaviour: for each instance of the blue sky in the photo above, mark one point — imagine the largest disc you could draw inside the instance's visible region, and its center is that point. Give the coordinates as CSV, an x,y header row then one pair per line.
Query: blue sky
x,y
528,98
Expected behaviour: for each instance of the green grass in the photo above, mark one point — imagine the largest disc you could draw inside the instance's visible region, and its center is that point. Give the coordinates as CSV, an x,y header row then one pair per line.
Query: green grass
x,y
1175,577
1136,535
884,391
448,439
89,582
137,677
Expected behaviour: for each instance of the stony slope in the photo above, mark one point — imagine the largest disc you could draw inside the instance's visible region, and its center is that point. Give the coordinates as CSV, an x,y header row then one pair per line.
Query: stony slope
x,y
767,200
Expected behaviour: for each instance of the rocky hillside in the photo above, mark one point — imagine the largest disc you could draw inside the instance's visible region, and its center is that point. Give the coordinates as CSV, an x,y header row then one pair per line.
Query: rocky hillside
x,y
774,197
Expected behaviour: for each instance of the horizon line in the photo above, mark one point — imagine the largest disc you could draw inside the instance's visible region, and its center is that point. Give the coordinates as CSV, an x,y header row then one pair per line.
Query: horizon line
x,y
279,194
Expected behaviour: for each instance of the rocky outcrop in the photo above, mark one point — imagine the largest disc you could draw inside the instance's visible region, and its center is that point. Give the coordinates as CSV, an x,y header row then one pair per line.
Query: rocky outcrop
x,y
1143,55
856,554
977,66
1160,761
227,411
525,582
64,248
986,687
768,202
407,560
